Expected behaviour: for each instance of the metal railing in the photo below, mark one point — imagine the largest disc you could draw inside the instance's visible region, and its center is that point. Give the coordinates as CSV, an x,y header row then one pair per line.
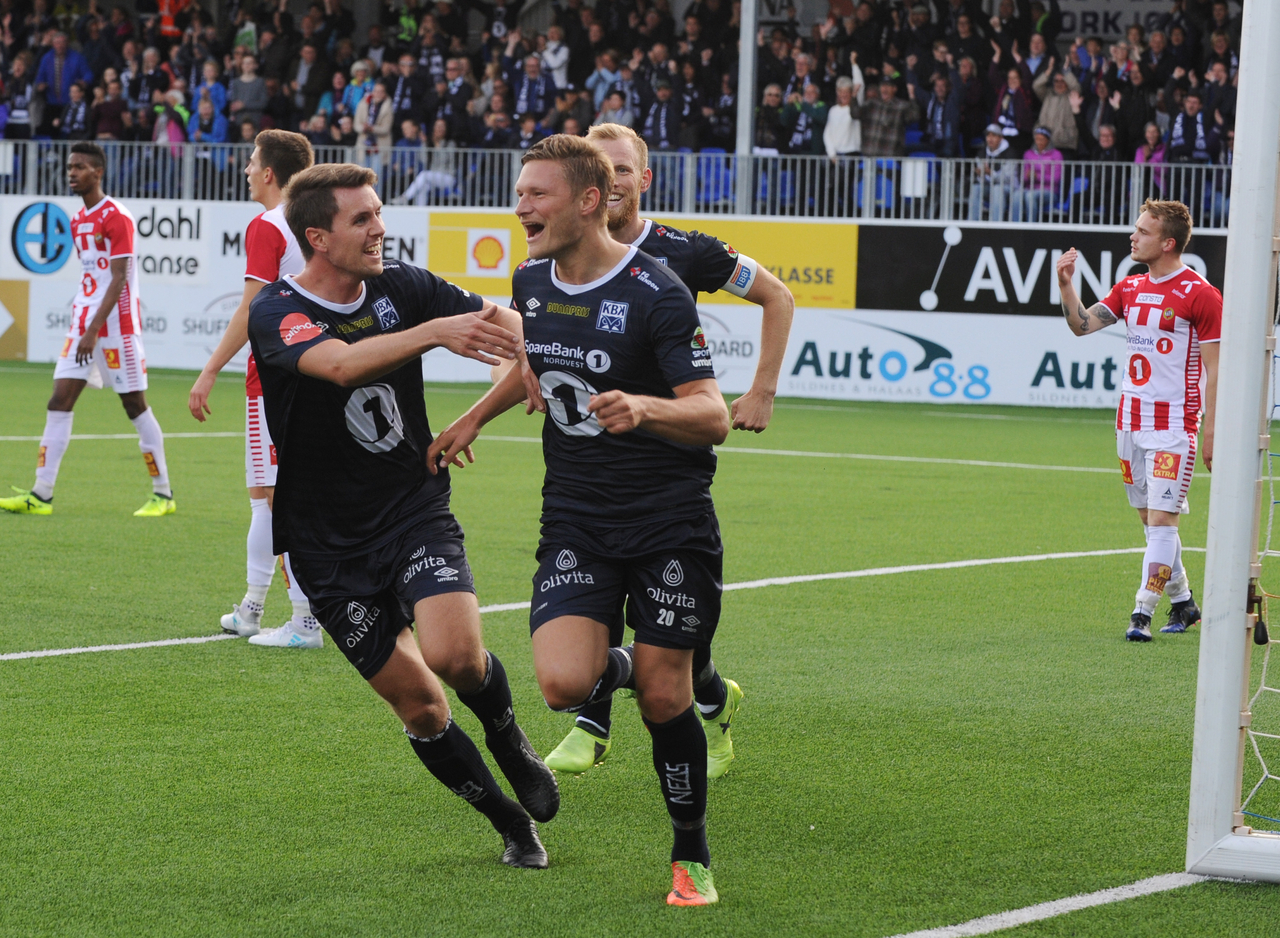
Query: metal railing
x,y
911,188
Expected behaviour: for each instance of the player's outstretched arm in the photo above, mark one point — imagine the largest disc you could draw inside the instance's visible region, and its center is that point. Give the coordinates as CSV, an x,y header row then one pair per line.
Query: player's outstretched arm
x,y
754,409
1209,357
696,415
476,335
119,271
455,440
232,341
1080,320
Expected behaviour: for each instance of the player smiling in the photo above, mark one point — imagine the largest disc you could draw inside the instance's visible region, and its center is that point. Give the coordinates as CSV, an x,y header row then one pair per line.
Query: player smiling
x,y
633,410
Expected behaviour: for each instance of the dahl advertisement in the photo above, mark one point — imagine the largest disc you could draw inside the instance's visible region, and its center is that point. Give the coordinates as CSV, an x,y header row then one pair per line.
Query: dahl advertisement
x,y
930,313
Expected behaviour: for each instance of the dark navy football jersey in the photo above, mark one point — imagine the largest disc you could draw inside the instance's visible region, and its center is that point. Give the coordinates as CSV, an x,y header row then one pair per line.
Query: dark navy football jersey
x,y
352,468
634,330
704,263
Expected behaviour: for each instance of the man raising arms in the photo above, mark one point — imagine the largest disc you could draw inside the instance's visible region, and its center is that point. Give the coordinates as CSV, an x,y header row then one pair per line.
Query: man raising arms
x,y
633,410
271,251
369,531
704,264
1173,319
104,343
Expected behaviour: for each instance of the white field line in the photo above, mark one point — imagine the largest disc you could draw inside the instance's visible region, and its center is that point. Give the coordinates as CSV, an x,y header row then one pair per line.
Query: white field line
x,y
750,450
745,585
1038,913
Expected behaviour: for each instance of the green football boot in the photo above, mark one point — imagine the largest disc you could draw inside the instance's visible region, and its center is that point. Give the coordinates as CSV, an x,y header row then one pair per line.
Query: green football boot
x,y
719,741
156,507
26,503
578,751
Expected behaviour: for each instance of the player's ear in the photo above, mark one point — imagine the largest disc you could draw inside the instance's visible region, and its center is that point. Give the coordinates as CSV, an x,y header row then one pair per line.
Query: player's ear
x,y
591,199
646,179
318,238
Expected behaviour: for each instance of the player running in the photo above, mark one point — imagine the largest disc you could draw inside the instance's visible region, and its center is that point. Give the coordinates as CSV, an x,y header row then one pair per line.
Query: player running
x,y
368,529
633,410
104,344
704,264
1173,319
271,251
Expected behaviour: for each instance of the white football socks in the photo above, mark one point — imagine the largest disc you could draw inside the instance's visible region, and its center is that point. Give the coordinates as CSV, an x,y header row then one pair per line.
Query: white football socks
x,y
261,560
301,607
53,446
1179,588
1157,567
151,442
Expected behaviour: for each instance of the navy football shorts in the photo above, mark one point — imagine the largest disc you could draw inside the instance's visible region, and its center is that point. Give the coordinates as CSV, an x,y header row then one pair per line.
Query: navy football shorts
x,y
667,574
364,603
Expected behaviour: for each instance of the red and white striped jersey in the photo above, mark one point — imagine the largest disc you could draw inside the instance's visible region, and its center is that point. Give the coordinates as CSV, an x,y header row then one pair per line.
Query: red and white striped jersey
x,y
1166,321
102,233
271,251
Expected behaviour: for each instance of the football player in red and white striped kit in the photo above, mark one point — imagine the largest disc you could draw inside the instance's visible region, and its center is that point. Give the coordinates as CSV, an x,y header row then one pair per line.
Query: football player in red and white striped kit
x,y
1173,319
271,251
104,343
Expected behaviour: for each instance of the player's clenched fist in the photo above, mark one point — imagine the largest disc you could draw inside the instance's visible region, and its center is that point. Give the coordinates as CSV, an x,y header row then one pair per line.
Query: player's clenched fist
x,y
617,412
1067,265
476,335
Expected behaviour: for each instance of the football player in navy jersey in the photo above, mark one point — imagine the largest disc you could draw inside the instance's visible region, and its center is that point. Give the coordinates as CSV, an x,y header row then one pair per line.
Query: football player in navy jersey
x,y
632,412
704,264
339,351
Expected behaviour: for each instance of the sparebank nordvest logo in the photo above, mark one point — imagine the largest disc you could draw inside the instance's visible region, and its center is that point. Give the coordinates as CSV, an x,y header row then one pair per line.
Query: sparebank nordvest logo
x,y
41,238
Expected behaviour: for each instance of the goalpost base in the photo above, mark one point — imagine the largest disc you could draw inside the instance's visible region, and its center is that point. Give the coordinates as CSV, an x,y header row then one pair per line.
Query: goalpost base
x,y
1253,856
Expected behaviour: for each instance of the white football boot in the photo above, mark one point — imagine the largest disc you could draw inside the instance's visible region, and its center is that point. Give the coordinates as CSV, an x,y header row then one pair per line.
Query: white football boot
x,y
241,621
292,634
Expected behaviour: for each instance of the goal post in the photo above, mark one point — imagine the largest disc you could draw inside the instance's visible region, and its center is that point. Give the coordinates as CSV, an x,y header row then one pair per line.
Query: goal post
x,y
1218,841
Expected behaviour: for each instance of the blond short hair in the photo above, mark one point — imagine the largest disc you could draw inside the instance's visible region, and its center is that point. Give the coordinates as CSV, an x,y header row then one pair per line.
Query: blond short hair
x,y
620,132
585,165
1174,218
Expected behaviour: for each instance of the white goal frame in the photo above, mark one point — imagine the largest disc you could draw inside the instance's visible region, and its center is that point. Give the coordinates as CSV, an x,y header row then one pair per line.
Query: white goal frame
x,y
1219,843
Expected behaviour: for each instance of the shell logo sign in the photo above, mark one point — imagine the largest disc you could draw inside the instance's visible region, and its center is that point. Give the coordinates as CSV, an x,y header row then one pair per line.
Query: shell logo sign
x,y
489,252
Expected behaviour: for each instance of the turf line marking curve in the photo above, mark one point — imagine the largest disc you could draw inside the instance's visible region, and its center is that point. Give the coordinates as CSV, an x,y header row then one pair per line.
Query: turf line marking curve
x,y
729,587
1038,913
55,652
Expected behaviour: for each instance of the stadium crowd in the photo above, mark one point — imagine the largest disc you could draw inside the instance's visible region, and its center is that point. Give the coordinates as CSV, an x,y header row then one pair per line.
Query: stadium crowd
x,y
889,78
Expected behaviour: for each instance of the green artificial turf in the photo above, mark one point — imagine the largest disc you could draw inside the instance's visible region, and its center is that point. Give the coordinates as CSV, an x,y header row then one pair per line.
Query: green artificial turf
x,y
915,750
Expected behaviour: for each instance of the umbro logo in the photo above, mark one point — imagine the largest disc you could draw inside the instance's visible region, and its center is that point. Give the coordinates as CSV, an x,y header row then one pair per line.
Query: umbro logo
x,y
691,620
532,303
446,573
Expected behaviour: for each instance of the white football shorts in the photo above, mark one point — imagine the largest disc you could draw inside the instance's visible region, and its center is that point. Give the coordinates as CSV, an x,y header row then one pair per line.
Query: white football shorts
x,y
118,362
259,451
1157,466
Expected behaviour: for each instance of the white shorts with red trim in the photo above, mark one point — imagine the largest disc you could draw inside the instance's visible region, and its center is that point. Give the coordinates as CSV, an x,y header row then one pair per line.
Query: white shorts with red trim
x,y
259,451
119,362
1157,466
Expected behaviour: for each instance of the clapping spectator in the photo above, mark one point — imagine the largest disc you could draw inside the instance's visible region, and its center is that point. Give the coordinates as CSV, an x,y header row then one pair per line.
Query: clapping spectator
x,y
805,118
373,125
1013,108
1041,176
1054,90
941,119
884,120
206,124
770,135
615,111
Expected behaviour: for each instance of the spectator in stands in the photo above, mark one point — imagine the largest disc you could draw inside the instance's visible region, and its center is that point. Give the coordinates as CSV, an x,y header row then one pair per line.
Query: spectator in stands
x,y
533,91
411,96
108,113
308,80
884,120
59,69
842,136
406,154
171,116
373,124
1151,154
994,179
497,134
615,111
275,54
331,105
661,126
211,85
1134,111
1193,137
529,133
25,106
376,48
1041,176
721,114
604,76
74,123
148,80
1013,111
555,57
317,129
1157,60
343,132
805,119
206,124
1054,91
247,94
1220,95
941,119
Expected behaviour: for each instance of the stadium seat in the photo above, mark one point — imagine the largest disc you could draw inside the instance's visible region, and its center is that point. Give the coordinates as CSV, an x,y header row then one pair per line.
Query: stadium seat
x,y
716,178
914,136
